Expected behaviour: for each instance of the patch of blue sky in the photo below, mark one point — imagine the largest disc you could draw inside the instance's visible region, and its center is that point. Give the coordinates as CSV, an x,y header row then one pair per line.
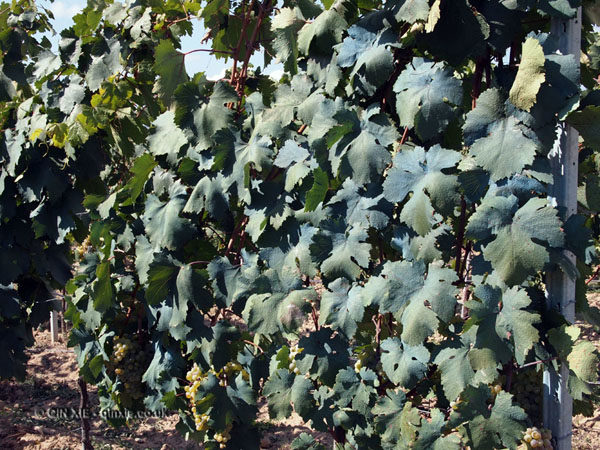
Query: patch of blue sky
x,y
214,68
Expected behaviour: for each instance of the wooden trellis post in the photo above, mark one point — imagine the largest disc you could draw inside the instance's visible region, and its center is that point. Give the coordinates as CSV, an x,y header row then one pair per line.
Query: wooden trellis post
x,y
558,404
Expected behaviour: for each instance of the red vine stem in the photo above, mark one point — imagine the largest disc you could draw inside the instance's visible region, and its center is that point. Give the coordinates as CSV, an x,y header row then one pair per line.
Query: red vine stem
x,y
403,139
198,262
241,80
235,233
466,293
535,363
208,50
238,47
593,277
216,233
245,341
461,235
315,317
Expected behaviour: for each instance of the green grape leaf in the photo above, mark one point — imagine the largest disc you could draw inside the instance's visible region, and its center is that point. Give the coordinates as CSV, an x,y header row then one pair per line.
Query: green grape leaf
x,y
588,191
459,33
563,339
358,144
421,172
105,66
432,434
500,144
389,418
103,288
418,322
455,369
366,207
285,27
164,226
141,169
306,442
404,365
504,312
427,96
341,307
160,278
326,31
284,390
209,195
502,427
521,236
167,138
530,75
586,122
169,65
340,250
258,313
564,9
583,361
214,115
318,191
398,282
222,346
231,282
412,11
366,51
324,355
356,390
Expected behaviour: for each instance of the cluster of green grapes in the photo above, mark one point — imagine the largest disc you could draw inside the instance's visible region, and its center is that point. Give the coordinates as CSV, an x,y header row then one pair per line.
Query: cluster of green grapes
x,y
294,351
82,249
128,362
223,438
527,389
365,354
536,438
195,376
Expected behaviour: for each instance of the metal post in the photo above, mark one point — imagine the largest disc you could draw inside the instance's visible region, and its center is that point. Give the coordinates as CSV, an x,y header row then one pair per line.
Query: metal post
x,y
558,404
54,326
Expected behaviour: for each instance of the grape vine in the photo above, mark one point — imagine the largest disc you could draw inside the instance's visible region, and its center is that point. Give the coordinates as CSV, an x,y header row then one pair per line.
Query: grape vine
x,y
362,242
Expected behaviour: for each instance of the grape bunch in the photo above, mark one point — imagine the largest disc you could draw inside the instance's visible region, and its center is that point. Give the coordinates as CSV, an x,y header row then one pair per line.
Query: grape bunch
x,y
365,354
294,351
224,437
128,363
536,438
82,249
195,377
527,389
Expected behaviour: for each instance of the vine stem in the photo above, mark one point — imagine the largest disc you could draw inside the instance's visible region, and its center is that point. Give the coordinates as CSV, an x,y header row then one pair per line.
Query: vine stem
x,y
479,66
215,232
193,263
466,293
461,234
593,277
315,317
404,135
236,231
208,50
236,53
241,80
86,442
258,347
535,363
509,369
